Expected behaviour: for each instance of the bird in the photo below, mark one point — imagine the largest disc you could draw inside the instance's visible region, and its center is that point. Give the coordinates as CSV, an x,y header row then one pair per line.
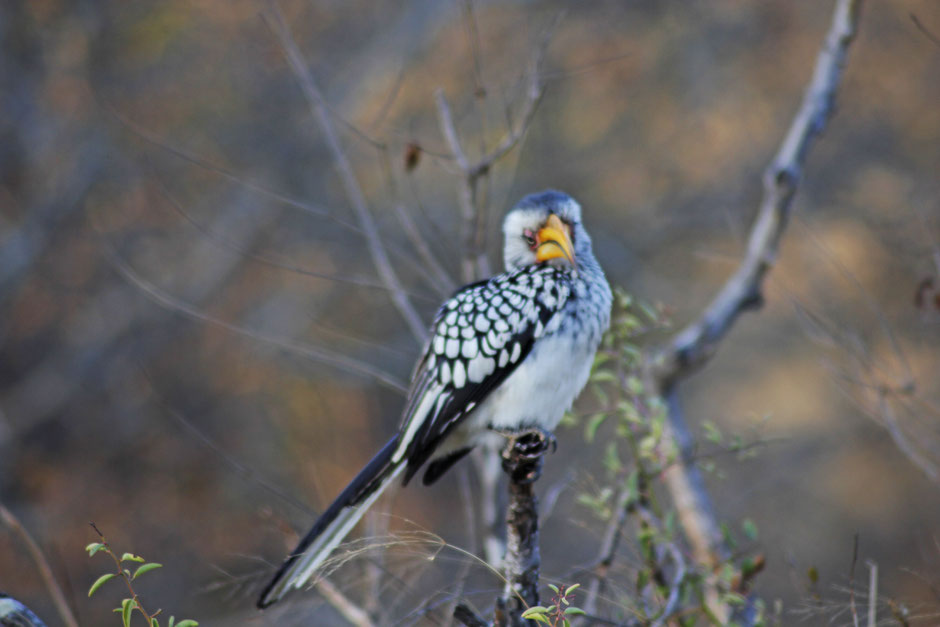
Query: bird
x,y
15,614
506,355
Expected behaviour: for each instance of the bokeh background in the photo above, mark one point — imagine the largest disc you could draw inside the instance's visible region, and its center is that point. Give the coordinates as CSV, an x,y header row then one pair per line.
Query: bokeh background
x,y
168,205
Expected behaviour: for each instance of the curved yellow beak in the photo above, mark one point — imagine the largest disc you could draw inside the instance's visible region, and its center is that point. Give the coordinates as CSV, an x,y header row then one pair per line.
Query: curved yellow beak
x,y
554,241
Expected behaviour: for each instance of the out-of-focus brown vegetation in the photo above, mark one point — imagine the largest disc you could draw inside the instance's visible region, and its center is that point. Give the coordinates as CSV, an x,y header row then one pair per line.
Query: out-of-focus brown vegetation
x,y
155,141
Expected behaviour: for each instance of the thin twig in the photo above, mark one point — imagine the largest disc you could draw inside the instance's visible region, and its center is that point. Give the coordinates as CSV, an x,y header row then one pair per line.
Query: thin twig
x,y
690,349
608,549
341,603
353,190
42,565
675,588
872,594
317,353
263,258
442,281
852,609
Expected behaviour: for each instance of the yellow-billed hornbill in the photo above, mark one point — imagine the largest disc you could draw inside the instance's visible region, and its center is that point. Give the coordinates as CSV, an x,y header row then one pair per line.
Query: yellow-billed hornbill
x,y
508,355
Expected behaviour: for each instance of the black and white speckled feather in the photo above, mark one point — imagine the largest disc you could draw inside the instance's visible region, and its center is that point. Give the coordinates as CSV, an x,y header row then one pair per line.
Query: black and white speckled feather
x,y
507,354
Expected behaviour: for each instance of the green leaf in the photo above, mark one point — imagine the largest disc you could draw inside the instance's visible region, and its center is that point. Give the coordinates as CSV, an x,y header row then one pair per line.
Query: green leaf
x,y
127,606
612,458
146,568
572,588
187,623
154,622
712,432
172,622
533,611
94,547
593,423
130,557
575,611
635,386
603,376
554,588
99,582
749,528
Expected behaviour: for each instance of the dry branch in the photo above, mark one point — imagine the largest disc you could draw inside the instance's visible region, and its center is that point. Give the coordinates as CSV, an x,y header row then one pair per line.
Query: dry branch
x,y
694,346
42,565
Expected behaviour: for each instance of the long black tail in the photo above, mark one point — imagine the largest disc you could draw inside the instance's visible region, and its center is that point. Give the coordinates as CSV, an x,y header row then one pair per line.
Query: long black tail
x,y
333,525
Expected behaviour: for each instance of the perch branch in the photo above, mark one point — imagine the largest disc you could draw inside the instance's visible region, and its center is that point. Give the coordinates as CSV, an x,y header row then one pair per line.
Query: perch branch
x,y
697,343
353,190
522,462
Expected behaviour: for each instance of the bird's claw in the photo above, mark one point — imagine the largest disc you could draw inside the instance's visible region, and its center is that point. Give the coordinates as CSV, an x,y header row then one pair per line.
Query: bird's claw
x,y
522,457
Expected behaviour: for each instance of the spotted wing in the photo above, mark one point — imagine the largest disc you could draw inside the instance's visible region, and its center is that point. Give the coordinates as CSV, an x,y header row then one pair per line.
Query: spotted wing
x,y
479,337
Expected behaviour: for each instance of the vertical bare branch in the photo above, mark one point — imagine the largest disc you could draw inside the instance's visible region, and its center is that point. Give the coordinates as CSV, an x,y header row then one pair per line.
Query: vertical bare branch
x,y
42,565
473,215
353,190
694,346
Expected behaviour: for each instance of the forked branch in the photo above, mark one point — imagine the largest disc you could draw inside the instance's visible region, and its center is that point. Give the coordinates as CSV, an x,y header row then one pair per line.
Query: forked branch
x,y
691,349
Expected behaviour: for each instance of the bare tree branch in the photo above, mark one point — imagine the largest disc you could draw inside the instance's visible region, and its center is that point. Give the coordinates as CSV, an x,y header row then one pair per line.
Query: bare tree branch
x,y
474,216
696,344
353,191
690,349
42,565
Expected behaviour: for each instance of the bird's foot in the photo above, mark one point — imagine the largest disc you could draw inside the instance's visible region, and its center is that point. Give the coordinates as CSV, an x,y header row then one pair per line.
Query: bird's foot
x,y
523,455
532,438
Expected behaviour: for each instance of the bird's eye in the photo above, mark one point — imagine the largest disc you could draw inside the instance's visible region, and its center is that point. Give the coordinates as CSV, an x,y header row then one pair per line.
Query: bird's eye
x,y
529,238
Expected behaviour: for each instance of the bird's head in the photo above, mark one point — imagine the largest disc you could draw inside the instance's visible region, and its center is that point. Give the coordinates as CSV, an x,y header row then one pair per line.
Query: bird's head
x,y
545,227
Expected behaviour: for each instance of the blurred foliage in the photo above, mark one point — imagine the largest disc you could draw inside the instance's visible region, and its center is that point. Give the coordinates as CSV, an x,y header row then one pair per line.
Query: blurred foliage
x,y
168,141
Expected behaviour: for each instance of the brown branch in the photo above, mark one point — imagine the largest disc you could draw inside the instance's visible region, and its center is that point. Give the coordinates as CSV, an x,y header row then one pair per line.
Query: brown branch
x,y
42,565
351,186
696,344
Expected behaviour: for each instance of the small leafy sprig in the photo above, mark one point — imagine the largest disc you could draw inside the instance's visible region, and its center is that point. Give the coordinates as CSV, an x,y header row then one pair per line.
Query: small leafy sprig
x,y
559,612
123,566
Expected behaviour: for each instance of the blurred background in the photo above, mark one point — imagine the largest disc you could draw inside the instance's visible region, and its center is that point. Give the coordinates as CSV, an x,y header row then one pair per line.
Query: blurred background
x,y
177,253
